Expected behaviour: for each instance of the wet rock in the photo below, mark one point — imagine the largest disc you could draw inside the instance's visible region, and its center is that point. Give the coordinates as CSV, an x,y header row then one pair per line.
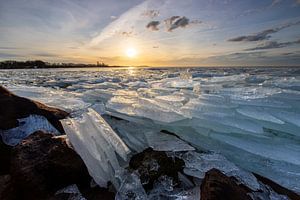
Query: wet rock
x,y
217,186
152,164
42,164
277,188
13,107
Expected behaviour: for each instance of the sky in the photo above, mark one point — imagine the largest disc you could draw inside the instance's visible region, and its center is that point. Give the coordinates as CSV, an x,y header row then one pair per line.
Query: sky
x,y
152,32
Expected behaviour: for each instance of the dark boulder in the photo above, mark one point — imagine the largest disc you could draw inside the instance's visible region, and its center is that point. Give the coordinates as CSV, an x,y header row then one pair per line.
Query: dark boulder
x,y
13,107
152,164
42,164
217,186
89,193
97,193
6,189
5,153
278,188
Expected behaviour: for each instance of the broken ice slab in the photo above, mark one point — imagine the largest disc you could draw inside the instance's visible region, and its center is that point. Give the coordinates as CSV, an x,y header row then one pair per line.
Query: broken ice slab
x,y
79,142
97,144
259,114
109,134
131,188
69,101
197,164
165,142
26,127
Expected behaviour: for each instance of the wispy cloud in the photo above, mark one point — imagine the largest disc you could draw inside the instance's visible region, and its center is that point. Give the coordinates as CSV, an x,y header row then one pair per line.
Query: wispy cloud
x,y
273,45
9,55
263,35
151,13
50,55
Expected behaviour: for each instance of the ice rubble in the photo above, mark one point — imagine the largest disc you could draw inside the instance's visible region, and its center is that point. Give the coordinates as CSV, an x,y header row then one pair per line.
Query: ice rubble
x,y
26,127
98,145
251,113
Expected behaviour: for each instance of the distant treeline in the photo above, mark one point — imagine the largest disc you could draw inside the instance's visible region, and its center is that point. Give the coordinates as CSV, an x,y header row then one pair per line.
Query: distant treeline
x,y
38,64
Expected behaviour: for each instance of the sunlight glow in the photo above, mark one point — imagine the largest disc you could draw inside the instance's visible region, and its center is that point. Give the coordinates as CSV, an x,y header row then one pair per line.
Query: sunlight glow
x,y
131,52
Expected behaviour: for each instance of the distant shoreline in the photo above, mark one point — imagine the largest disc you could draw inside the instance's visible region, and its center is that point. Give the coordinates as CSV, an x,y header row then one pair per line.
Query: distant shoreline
x,y
38,64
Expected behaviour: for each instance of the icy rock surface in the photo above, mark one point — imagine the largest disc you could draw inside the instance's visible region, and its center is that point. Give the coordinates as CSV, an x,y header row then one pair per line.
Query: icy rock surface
x,y
251,113
131,188
26,127
197,164
73,191
164,189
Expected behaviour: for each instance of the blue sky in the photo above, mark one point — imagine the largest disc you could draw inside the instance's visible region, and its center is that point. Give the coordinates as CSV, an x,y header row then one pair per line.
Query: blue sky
x,y
161,32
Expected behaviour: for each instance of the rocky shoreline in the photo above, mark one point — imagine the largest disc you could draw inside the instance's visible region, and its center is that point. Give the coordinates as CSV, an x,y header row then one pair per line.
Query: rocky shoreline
x,y
45,166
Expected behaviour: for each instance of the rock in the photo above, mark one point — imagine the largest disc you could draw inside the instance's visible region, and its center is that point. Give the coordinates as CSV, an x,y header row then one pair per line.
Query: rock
x,y
5,153
217,186
277,188
97,193
42,164
13,107
6,189
152,164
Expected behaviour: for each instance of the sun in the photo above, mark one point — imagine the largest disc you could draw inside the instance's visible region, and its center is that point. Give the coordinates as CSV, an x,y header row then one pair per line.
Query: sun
x,y
131,52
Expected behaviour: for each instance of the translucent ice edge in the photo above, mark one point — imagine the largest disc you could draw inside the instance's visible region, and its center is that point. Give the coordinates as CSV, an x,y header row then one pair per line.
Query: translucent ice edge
x,y
26,127
98,145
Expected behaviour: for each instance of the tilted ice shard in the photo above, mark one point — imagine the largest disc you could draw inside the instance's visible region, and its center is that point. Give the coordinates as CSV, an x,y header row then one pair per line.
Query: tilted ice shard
x,y
78,141
108,133
26,127
97,144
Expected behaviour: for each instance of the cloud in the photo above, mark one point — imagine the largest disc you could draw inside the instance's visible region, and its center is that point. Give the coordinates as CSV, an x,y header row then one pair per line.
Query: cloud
x,y
45,55
175,22
263,35
273,45
113,17
275,2
151,13
9,48
9,55
126,33
153,25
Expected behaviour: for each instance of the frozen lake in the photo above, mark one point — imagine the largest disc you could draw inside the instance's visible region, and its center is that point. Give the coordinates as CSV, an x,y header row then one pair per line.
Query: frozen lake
x,y
250,115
